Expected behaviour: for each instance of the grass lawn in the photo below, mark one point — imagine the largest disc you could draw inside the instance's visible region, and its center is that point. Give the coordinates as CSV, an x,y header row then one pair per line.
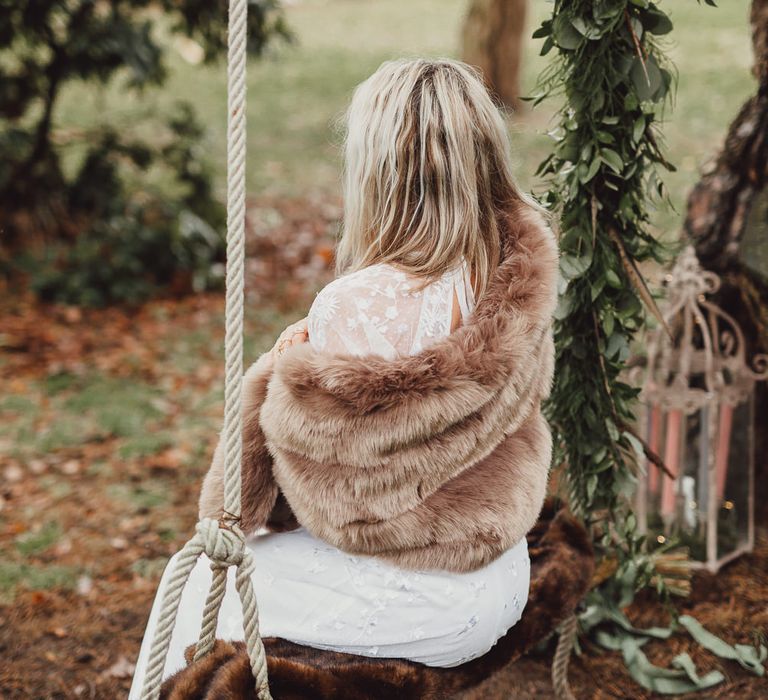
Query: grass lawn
x,y
298,93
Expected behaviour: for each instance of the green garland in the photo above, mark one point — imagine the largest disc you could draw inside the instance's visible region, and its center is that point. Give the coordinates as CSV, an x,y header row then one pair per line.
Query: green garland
x,y
601,173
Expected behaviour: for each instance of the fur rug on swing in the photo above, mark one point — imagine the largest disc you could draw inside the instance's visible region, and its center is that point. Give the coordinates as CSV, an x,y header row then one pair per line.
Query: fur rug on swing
x,y
562,566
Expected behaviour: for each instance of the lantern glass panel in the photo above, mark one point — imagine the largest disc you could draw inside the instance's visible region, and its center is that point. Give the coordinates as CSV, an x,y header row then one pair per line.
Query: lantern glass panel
x,y
698,390
734,486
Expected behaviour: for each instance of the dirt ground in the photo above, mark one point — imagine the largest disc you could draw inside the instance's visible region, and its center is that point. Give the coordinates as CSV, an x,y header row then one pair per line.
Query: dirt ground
x,y
107,420
78,644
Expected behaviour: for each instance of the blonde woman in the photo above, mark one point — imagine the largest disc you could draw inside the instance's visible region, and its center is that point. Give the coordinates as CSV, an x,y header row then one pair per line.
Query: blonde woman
x,y
403,545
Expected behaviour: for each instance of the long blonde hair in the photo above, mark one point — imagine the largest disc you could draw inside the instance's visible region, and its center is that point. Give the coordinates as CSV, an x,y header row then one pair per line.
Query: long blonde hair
x,y
427,174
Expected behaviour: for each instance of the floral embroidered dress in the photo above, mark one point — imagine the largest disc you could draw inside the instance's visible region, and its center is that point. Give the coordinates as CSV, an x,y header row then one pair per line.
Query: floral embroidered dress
x,y
310,592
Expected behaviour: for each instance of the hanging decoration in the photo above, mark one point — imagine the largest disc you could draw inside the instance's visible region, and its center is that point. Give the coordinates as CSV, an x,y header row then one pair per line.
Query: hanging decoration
x,y
698,418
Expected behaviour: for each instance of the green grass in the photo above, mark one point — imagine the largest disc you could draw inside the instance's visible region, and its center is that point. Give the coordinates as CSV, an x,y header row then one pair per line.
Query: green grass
x,y
67,410
145,444
149,568
37,541
297,94
151,493
34,577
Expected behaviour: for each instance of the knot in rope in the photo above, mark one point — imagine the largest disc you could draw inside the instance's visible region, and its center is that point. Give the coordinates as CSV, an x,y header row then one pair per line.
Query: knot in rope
x,y
223,545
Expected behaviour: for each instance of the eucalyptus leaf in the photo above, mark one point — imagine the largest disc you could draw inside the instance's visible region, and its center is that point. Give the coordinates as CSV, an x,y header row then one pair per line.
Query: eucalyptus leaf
x,y
645,77
613,279
591,486
605,136
588,30
544,30
656,21
596,288
563,308
573,266
638,128
608,323
666,82
612,159
565,34
617,343
591,171
637,446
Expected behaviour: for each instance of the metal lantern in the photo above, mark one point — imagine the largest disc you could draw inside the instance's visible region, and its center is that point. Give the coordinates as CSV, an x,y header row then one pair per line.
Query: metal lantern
x,y
698,416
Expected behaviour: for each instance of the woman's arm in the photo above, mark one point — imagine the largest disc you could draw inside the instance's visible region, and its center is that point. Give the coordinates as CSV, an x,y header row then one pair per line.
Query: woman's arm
x,y
262,502
295,334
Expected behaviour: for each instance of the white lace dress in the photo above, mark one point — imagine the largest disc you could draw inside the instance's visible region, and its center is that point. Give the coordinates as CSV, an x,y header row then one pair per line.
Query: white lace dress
x,y
310,592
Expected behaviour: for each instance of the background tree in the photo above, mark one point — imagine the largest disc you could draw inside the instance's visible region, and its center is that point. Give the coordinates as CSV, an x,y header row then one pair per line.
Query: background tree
x,y
90,213
492,40
727,219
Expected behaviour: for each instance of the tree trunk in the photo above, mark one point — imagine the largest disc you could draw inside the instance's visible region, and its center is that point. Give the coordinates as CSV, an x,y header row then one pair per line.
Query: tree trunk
x,y
727,221
492,40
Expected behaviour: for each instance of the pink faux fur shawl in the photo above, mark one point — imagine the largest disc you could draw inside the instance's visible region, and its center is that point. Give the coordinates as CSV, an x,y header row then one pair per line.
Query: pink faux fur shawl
x,y
433,461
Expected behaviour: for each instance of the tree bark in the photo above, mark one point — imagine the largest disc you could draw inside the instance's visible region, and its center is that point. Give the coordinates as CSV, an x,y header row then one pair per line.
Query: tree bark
x,y
492,40
726,203
719,205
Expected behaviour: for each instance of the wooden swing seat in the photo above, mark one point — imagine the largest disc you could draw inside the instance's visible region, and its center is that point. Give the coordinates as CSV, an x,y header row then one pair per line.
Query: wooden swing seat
x,y
562,565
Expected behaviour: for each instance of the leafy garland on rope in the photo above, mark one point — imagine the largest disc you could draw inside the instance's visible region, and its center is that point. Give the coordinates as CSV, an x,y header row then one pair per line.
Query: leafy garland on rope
x,y
602,172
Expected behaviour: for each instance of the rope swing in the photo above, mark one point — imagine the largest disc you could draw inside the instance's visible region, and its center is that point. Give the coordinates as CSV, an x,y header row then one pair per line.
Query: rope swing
x,y
223,541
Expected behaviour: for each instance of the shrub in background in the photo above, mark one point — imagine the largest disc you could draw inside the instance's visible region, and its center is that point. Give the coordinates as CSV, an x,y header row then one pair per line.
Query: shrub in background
x,y
99,235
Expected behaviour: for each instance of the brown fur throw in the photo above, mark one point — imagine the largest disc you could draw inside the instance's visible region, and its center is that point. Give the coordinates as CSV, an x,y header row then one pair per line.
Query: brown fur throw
x,y
437,460
562,565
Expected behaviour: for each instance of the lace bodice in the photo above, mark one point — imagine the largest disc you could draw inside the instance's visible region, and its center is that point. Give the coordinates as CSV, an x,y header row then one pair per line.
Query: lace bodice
x,y
381,310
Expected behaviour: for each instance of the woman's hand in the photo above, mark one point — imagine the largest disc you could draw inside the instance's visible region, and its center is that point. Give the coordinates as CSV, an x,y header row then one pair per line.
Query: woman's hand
x,y
295,334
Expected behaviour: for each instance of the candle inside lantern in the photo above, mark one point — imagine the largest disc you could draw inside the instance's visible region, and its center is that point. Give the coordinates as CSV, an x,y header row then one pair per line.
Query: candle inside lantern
x,y
723,447
672,461
654,437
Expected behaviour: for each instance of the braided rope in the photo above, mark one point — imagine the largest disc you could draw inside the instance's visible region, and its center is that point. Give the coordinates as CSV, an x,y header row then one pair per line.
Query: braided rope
x,y
565,644
233,344
211,611
223,542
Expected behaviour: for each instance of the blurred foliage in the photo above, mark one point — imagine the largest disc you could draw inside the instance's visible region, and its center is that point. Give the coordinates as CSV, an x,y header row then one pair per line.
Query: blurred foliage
x,y
96,233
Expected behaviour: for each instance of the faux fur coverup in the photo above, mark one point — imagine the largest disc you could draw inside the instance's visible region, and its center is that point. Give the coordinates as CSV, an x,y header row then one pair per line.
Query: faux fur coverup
x,y
433,461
